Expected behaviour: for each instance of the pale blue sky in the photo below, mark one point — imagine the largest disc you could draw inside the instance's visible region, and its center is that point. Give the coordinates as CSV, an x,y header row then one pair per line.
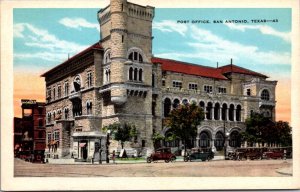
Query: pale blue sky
x,y
44,37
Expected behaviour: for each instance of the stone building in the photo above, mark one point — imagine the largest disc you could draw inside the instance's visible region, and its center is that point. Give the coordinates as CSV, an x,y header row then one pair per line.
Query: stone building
x,y
119,80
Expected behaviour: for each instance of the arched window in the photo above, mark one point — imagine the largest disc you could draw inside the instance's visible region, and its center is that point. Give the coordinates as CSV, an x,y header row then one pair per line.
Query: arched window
x,y
107,57
265,95
224,112
219,141
135,74
231,112
202,105
209,111
217,111
130,73
77,84
167,107
204,140
135,54
89,108
176,103
140,75
235,139
238,113
185,102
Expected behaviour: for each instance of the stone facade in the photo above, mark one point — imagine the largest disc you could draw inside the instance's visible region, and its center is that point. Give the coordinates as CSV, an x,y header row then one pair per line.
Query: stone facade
x,y
119,80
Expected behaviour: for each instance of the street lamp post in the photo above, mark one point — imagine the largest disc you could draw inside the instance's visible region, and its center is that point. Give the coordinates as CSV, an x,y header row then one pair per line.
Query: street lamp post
x,y
225,141
107,146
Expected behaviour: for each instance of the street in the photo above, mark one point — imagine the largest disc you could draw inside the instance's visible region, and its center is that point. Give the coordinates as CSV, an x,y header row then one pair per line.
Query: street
x,y
220,168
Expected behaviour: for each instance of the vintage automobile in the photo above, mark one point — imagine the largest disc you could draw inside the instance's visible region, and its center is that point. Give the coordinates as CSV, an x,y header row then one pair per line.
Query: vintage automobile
x,y
276,154
162,154
251,153
201,154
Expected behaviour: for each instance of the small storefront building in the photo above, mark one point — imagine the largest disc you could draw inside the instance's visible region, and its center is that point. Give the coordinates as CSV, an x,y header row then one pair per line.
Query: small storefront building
x,y
89,146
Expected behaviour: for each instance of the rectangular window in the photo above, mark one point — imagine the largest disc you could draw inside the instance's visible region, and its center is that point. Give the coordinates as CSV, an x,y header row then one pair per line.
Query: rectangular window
x,y
49,94
59,91
222,90
89,79
248,92
54,93
177,84
56,136
66,88
208,88
163,82
193,86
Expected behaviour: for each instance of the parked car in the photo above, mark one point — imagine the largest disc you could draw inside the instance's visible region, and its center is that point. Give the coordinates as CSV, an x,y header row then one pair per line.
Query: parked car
x,y
202,154
273,155
162,154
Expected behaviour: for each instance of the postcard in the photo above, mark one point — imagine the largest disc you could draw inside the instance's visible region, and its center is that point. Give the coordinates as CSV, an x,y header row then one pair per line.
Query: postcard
x,y
147,95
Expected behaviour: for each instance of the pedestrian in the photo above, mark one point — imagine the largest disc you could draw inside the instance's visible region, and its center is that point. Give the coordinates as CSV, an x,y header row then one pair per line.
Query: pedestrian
x,y
113,156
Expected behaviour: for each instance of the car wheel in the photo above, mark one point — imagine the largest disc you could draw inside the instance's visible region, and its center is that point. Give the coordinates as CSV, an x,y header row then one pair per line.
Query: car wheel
x,y
172,159
186,159
149,159
167,160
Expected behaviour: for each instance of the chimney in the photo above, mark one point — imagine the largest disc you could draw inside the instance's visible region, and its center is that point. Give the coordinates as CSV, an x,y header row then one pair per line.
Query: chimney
x,y
217,64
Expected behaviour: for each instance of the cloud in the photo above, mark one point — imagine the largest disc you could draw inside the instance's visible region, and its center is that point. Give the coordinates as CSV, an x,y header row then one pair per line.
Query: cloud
x,y
170,26
78,23
18,30
266,30
214,47
50,48
207,46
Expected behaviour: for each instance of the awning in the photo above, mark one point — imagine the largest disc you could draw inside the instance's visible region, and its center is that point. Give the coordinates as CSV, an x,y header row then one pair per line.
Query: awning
x,y
82,144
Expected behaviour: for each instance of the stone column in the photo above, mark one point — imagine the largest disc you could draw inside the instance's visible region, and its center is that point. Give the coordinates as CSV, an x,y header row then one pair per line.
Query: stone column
x,y
197,142
212,113
234,114
220,113
213,148
227,114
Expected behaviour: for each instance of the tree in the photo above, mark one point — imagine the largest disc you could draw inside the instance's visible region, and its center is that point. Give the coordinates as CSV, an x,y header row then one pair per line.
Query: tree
x,y
121,132
284,133
261,129
156,137
183,121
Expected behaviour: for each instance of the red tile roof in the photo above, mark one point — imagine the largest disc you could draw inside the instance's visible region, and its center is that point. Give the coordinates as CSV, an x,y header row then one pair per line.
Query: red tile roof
x,y
188,68
203,71
94,46
236,69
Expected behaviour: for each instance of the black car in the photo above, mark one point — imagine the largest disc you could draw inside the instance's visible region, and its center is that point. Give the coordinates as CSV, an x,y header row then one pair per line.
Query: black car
x,y
203,155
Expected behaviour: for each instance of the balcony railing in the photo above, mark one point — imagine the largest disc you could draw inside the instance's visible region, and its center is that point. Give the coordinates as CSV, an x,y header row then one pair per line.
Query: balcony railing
x,y
75,95
266,103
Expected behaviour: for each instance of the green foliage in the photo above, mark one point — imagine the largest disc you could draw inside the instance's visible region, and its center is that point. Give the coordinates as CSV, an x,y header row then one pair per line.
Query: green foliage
x,y
121,132
184,120
262,129
157,137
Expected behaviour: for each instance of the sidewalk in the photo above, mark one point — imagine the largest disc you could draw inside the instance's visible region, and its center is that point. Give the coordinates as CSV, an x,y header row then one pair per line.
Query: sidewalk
x,y
286,171
118,161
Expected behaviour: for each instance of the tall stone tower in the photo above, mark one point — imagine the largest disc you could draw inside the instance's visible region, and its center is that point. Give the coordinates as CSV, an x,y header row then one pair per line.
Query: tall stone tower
x,y
126,36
